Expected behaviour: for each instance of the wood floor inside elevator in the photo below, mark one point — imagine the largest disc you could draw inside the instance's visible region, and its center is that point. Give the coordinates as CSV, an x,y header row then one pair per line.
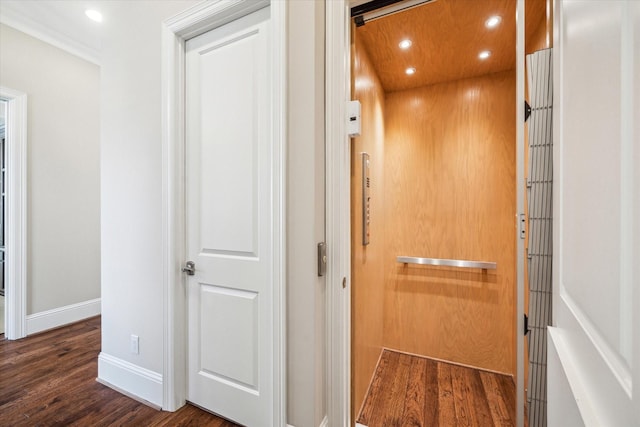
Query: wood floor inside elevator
x,y
409,390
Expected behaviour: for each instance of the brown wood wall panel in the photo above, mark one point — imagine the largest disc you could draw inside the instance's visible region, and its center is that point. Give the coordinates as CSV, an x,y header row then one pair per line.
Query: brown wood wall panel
x,y
367,267
450,193
539,25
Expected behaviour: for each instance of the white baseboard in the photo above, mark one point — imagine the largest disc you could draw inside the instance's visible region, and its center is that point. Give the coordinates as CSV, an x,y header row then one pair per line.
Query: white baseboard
x,y
130,379
61,316
323,423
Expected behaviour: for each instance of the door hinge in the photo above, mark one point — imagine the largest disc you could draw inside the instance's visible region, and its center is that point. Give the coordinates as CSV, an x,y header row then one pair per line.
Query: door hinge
x,y
522,224
322,259
526,324
527,111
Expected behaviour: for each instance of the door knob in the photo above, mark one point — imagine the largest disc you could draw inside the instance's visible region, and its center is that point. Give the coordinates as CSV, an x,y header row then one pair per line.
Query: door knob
x,y
189,268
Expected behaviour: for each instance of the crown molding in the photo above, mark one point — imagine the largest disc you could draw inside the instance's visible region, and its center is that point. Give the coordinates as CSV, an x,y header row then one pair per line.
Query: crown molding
x,y
17,19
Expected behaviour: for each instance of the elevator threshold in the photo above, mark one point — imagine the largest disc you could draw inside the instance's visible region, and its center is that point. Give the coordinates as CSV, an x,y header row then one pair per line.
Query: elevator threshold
x,y
408,390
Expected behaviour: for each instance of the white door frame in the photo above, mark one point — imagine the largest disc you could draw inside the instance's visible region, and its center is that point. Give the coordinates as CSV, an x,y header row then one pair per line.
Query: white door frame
x,y
520,195
16,214
338,92
175,32
338,218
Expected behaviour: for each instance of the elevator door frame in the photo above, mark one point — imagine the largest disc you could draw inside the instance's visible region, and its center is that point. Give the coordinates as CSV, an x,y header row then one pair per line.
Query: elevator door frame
x,y
338,204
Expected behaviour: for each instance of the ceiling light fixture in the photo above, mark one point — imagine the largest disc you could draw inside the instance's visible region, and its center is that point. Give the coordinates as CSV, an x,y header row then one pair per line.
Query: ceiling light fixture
x,y
484,54
493,21
405,44
94,15
410,71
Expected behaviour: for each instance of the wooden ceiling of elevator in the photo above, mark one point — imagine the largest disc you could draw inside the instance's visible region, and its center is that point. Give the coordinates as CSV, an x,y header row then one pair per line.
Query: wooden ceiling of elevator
x,y
447,37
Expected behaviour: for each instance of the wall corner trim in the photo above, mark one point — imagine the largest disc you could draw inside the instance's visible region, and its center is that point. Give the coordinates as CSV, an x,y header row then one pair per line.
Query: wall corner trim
x,y
131,379
60,316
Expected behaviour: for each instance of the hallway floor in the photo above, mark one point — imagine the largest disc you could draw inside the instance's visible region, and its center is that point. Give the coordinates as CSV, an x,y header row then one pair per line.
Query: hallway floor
x,y
410,390
49,379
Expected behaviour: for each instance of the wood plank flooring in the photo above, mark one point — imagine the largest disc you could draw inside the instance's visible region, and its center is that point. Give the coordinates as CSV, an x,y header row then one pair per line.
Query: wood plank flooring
x,y
49,380
416,391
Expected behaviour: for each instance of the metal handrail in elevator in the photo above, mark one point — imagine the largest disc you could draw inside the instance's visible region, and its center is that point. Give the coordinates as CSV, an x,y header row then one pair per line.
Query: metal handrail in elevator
x,y
485,265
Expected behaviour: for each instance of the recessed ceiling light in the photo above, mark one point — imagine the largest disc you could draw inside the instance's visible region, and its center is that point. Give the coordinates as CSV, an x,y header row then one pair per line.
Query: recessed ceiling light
x,y
405,44
410,71
493,21
94,15
484,54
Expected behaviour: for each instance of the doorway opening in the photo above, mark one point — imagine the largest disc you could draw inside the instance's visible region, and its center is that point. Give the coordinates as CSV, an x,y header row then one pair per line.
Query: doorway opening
x,y
14,212
438,155
178,31
3,121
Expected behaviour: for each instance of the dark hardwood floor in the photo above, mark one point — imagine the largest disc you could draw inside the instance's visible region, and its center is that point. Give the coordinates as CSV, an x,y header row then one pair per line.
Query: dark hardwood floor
x,y
49,379
416,391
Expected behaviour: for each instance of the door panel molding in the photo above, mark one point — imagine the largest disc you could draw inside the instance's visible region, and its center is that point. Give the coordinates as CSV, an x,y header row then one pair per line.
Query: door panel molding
x,y
16,214
612,358
175,32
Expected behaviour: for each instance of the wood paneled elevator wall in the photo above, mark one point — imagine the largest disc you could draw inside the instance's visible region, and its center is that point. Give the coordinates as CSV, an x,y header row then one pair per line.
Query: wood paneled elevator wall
x,y
450,193
443,186
367,262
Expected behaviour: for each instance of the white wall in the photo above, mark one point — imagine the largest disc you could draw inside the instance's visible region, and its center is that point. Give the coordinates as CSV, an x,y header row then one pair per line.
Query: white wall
x,y
131,170
306,306
63,169
594,346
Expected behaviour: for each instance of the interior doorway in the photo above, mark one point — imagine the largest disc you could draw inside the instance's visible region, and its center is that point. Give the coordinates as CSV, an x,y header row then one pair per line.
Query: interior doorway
x,y
177,33
14,237
3,121
442,148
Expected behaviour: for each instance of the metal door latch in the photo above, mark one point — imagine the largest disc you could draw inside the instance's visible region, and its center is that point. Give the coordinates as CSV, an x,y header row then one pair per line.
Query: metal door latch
x,y
189,268
322,259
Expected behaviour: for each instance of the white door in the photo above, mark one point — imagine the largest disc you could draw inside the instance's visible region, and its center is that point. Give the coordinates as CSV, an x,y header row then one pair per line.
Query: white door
x,y
594,346
229,213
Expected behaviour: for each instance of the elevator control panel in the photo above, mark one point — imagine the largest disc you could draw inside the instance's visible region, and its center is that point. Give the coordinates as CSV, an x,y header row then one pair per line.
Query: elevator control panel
x,y
366,198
